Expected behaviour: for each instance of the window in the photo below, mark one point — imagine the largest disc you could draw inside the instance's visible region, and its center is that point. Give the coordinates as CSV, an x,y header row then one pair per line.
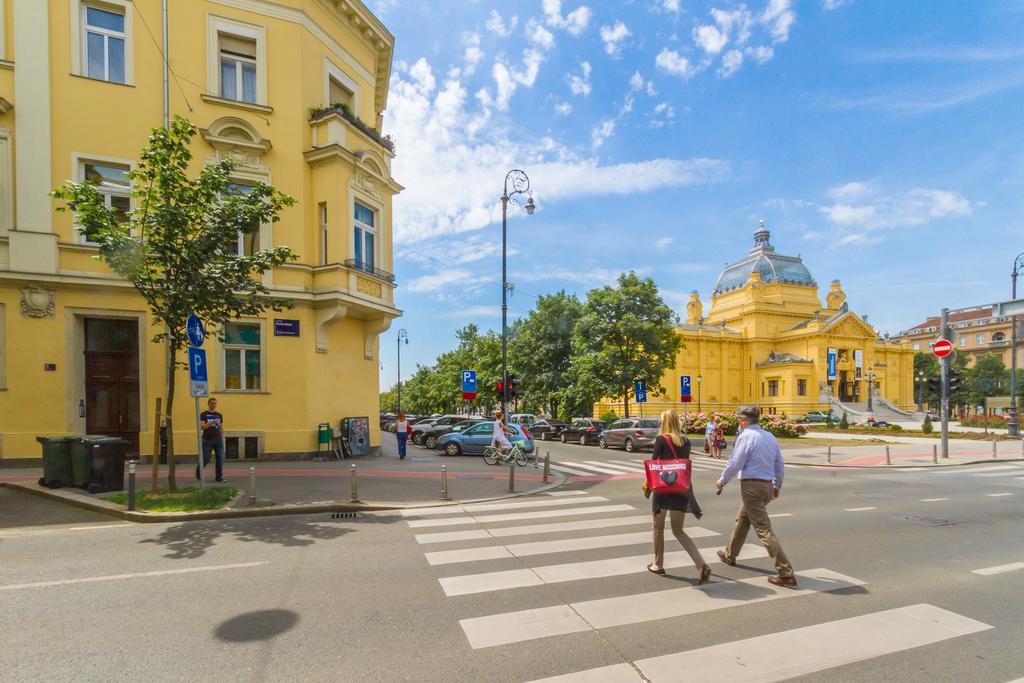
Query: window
x,y
323,233
236,63
773,387
237,68
917,347
482,428
963,341
6,181
242,357
365,232
931,329
998,337
248,241
980,339
103,43
111,179
801,387
339,93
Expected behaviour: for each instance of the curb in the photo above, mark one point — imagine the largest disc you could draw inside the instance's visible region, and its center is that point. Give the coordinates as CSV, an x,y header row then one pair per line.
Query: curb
x,y
119,512
903,466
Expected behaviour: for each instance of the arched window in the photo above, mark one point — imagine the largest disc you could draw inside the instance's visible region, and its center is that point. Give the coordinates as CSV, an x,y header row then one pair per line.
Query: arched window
x,y
998,337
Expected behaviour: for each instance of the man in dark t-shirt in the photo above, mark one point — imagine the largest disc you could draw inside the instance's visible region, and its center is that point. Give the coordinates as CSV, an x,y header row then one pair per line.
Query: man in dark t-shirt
x,y
212,424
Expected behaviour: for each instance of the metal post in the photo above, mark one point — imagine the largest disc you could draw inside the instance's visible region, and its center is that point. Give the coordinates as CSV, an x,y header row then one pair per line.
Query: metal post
x,y
355,485
402,335
512,476
547,465
888,460
252,486
994,449
444,482
199,442
935,453
1013,427
944,365
504,305
131,485
829,455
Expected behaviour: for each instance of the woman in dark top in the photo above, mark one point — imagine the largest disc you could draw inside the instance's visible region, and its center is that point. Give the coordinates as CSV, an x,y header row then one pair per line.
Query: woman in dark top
x,y
672,445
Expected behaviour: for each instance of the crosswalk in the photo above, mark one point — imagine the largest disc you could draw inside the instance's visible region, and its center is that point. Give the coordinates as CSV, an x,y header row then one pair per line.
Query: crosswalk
x,y
510,553
996,474
624,466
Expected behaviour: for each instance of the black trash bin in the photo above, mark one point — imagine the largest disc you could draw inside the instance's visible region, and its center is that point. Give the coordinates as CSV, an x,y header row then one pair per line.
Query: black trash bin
x,y
56,460
108,455
81,460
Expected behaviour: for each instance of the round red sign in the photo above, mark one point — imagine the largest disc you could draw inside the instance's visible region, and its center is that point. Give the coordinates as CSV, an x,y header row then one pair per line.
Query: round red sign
x,y
942,348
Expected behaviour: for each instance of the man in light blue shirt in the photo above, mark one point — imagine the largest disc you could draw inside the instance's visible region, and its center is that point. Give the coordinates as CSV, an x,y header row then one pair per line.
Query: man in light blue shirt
x,y
757,460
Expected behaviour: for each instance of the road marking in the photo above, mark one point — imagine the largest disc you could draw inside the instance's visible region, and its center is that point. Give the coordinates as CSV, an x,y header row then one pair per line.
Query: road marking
x,y
34,530
560,573
595,468
993,475
515,516
530,529
515,627
975,470
566,493
568,470
118,577
491,507
631,468
781,514
800,651
998,495
548,547
860,509
932,500
1001,569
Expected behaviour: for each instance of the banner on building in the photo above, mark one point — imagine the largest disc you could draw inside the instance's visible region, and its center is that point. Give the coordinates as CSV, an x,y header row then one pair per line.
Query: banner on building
x,y
858,362
832,364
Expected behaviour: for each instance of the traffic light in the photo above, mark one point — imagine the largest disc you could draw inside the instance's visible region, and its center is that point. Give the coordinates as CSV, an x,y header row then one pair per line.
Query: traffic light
x,y
953,382
513,385
935,385
500,386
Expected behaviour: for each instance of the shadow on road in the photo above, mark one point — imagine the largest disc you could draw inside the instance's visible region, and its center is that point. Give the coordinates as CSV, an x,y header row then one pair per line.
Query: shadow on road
x,y
260,625
190,540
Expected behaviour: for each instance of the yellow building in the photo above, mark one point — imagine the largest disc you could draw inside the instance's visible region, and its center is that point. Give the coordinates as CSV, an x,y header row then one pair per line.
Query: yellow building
x,y
81,85
767,340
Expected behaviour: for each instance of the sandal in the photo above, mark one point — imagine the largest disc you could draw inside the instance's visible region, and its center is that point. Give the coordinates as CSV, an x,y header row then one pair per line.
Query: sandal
x,y
659,572
705,575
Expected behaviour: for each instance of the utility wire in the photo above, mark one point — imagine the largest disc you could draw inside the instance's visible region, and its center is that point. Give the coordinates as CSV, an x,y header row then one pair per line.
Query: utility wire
x,y
163,56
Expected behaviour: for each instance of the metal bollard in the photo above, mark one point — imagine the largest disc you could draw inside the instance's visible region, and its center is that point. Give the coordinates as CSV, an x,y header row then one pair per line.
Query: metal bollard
x,y
512,476
994,449
829,455
252,486
355,485
888,460
935,453
547,465
444,482
131,485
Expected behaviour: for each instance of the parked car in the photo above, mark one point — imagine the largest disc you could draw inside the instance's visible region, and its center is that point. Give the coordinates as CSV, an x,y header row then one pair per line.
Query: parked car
x,y
584,430
545,429
474,440
430,439
525,419
437,426
876,423
819,416
630,434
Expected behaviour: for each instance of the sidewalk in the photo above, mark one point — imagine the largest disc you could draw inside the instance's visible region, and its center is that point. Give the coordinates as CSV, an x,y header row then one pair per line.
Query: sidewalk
x,y
905,451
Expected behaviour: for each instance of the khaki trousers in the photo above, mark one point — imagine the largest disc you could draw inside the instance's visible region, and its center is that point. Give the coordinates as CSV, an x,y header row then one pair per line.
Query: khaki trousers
x,y
676,518
754,513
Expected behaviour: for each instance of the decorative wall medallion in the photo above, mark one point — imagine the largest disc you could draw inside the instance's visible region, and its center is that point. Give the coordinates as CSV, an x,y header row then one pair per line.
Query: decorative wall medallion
x,y
367,184
38,302
370,287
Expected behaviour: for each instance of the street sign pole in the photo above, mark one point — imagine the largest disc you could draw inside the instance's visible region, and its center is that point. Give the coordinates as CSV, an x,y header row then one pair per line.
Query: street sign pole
x,y
198,383
199,443
944,365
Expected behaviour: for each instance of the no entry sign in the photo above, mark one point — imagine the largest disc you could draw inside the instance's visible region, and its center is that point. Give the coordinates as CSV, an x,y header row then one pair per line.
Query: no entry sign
x,y
942,348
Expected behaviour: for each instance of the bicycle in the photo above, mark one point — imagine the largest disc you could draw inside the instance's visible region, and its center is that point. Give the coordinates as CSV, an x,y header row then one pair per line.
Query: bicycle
x,y
494,456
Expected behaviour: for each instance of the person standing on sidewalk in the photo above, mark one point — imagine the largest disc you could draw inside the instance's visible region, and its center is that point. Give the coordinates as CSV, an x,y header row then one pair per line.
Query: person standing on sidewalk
x,y
402,434
757,459
212,424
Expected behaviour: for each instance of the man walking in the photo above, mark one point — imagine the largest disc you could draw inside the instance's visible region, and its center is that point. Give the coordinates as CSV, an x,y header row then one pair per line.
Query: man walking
x,y
212,424
758,461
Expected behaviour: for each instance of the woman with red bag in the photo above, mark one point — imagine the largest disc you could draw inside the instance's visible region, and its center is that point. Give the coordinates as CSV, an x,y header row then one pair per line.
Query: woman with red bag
x,y
672,445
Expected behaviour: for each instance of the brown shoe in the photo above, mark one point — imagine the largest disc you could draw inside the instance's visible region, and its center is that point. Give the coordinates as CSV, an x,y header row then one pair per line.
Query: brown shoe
x,y
788,581
725,558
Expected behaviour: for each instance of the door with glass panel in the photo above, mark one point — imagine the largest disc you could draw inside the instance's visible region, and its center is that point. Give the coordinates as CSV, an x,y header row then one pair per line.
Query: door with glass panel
x,y
112,379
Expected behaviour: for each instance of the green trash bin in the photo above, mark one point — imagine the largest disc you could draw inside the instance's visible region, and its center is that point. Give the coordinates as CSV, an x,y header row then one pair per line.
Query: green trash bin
x,y
81,460
56,460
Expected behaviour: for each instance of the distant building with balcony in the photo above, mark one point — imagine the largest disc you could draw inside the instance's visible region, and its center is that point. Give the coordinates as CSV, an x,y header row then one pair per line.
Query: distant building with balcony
x,y
978,332
294,92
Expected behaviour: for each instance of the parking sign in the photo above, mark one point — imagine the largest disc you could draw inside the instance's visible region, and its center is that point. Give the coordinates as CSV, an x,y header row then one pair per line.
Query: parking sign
x,y
684,389
468,385
640,392
198,384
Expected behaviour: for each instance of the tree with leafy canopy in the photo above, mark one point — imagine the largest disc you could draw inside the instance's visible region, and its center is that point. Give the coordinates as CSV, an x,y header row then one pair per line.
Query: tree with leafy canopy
x,y
175,245
541,349
929,365
626,334
987,377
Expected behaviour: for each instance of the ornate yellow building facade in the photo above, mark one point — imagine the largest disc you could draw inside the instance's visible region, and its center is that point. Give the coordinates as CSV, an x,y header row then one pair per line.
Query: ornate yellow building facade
x,y
768,339
81,85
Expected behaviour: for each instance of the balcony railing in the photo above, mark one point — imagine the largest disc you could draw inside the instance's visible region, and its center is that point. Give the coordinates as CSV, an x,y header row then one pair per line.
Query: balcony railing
x,y
343,110
369,268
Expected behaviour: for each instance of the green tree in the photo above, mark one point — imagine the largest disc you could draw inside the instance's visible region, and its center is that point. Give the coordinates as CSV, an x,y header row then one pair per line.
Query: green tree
x,y
541,349
926,426
626,334
929,365
173,246
987,377
843,422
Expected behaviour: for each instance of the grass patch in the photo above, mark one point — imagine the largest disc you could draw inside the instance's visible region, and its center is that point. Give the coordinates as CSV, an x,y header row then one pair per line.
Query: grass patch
x,y
185,499
882,431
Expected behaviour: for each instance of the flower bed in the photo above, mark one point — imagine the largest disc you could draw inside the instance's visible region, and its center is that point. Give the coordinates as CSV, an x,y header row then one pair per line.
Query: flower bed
x,y
780,425
992,422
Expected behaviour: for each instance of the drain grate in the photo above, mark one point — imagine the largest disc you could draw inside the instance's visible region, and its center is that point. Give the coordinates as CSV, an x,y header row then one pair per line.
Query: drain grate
x,y
344,515
928,521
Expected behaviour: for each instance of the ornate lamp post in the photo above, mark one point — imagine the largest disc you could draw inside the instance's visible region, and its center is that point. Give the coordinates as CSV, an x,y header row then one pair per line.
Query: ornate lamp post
x,y
516,182
1013,428
920,389
402,335
699,378
870,377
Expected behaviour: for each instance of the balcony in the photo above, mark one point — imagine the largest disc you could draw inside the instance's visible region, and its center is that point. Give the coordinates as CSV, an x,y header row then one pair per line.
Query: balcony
x,y
320,115
370,269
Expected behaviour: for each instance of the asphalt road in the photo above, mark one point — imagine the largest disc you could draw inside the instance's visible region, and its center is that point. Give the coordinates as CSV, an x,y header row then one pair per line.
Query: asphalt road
x,y
382,598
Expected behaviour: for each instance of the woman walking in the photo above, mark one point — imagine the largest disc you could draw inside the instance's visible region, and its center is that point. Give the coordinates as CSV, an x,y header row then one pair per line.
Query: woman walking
x,y
402,434
709,435
670,445
717,439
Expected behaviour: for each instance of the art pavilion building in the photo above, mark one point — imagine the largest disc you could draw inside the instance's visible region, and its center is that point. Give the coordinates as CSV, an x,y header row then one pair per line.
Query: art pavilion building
x,y
769,340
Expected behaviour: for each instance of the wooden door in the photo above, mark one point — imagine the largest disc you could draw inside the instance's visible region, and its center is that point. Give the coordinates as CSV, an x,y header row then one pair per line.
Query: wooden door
x,y
112,380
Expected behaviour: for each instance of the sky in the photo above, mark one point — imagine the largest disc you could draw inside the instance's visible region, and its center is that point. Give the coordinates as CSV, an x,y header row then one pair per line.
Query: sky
x,y
881,141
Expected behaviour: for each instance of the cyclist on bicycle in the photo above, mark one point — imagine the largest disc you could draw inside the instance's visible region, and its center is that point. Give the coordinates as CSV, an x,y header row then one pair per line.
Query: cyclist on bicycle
x,y
501,432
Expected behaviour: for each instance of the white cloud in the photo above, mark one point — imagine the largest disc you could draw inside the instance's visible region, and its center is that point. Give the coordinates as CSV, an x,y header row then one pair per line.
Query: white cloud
x,y
859,207
612,36
760,54
496,24
473,55
778,16
601,132
575,22
664,242
731,63
563,109
736,22
423,75
710,39
834,4
439,281
849,191
579,84
671,6
473,312
663,116
636,81
673,63
538,35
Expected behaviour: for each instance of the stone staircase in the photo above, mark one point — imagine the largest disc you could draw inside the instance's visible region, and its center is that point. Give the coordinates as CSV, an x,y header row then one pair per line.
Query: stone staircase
x,y
882,410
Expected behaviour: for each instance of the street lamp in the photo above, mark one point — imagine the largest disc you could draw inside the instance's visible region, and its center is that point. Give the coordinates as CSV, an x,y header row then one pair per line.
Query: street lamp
x,y
699,378
870,377
920,389
519,183
1012,428
402,335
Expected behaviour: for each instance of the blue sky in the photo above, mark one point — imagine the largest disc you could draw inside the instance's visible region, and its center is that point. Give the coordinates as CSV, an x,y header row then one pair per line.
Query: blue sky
x,y
882,141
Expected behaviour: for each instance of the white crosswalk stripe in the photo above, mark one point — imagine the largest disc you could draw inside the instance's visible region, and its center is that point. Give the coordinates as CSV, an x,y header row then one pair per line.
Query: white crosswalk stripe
x,y
604,523
515,516
488,507
568,470
595,468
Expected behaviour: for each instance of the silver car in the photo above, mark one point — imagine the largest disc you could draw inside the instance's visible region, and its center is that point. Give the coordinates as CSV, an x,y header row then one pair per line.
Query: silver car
x,y
631,434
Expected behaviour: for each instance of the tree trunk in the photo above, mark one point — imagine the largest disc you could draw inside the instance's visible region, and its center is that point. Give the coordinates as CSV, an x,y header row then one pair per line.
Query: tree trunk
x,y
172,357
155,482
625,404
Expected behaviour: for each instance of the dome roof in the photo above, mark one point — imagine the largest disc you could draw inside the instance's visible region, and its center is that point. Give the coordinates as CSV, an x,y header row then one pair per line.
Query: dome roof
x,y
763,260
